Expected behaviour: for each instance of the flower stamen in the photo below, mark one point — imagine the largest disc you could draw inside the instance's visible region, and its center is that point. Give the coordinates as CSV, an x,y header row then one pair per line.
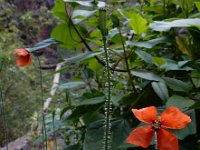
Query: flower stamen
x,y
156,125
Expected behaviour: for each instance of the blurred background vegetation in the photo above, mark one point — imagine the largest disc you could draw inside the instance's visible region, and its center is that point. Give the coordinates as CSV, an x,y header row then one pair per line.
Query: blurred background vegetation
x,y
22,24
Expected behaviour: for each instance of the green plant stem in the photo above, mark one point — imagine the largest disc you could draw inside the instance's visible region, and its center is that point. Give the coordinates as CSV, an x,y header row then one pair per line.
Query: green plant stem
x,y
85,43
3,109
164,8
108,100
44,131
54,135
79,34
126,62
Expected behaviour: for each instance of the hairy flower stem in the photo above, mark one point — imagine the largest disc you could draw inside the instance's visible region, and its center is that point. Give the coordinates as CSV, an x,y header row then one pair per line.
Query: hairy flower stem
x,y
126,62
3,110
44,130
108,106
108,101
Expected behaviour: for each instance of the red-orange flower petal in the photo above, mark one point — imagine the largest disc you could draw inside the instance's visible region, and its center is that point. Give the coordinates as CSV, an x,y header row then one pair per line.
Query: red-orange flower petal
x,y
167,140
173,118
141,136
24,58
147,115
21,52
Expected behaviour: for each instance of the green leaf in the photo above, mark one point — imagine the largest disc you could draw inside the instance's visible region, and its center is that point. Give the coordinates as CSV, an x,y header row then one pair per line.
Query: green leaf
x,y
182,42
138,23
112,33
43,44
195,75
94,65
80,15
92,101
173,65
165,26
146,75
148,44
67,35
158,61
89,3
177,85
119,131
71,85
91,140
83,56
144,56
90,117
196,105
115,21
179,101
59,10
161,90
197,5
72,147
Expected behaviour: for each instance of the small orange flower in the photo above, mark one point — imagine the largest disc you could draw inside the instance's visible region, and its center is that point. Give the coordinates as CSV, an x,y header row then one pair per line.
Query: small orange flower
x,y
24,58
171,118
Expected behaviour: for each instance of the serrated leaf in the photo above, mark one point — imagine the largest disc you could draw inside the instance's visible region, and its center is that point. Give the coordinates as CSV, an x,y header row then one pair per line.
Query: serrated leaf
x,y
148,44
161,90
165,26
71,85
146,75
179,101
138,23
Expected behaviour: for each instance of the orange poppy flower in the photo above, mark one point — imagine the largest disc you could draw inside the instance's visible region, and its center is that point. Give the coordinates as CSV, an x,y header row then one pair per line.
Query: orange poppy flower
x,y
24,58
171,118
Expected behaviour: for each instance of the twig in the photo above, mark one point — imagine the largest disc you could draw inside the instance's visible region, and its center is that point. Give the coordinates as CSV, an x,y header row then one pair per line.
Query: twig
x,y
126,62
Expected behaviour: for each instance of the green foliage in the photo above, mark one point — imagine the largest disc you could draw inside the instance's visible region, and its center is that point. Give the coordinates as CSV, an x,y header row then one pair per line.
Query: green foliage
x,y
137,23
133,59
152,56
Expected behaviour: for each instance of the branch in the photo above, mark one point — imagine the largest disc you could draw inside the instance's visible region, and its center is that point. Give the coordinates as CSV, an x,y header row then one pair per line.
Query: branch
x,y
54,87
